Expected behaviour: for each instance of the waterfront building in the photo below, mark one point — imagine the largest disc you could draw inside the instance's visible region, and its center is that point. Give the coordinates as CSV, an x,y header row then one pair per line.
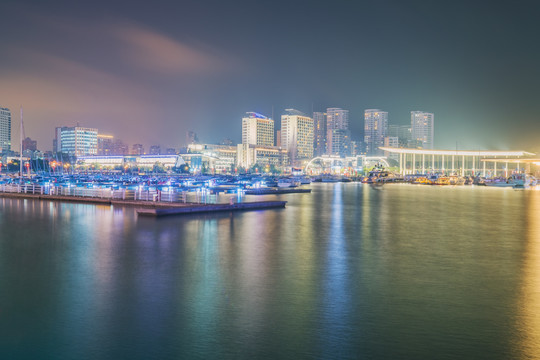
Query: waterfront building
x,y
5,130
222,158
337,119
461,162
29,144
257,129
76,140
249,155
105,144
170,151
375,129
319,133
297,136
137,149
422,129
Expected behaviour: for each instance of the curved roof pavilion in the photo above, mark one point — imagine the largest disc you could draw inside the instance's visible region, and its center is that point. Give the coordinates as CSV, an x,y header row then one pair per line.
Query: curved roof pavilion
x,y
481,153
463,162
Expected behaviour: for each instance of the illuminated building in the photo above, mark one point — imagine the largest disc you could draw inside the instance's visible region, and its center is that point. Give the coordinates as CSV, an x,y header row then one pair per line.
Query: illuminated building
x,y
319,133
77,141
422,129
375,128
137,149
249,155
5,130
223,156
257,129
105,144
338,136
462,162
297,136
391,141
155,150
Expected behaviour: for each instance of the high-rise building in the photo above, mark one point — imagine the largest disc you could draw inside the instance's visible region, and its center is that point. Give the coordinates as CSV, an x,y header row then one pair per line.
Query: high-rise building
x,y
5,130
339,142
319,133
105,144
337,130
422,129
297,136
402,132
375,128
137,149
77,141
257,129
155,150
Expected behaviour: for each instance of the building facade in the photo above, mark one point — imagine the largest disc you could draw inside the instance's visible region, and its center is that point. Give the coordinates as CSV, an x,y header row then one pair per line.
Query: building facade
x,y
297,136
76,141
337,119
257,129
422,129
5,130
375,129
319,133
249,155
105,145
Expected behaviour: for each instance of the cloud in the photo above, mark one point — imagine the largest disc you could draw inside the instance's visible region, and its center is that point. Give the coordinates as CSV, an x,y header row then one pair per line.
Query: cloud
x,y
156,52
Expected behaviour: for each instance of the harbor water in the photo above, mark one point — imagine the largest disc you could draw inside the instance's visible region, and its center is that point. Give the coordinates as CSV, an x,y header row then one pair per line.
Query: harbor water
x,y
349,271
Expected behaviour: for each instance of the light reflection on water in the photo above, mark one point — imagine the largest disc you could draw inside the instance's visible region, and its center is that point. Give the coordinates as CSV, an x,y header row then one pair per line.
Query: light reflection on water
x,y
348,271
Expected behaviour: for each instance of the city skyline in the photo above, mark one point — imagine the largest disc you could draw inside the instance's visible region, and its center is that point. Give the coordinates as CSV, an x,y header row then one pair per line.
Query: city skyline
x,y
154,78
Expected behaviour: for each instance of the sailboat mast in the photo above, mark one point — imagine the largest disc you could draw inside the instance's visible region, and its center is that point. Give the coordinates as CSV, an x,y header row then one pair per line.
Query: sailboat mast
x,y
21,148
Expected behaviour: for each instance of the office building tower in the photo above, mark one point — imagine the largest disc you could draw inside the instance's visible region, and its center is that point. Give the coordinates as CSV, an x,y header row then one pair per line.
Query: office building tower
x,y
422,129
105,145
375,129
76,141
319,133
257,129
155,150
137,149
297,136
402,132
339,142
5,130
337,127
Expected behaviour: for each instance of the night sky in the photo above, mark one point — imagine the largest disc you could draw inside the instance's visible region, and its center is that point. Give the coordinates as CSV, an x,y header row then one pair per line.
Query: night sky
x,y
147,72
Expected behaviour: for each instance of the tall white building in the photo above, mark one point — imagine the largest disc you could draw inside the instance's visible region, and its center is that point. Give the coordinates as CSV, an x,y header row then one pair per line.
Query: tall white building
x,y
297,136
375,129
5,130
78,141
422,129
257,129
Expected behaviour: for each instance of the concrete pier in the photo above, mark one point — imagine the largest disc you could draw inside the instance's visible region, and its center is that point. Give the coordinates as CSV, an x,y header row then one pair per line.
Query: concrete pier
x,y
206,208
154,208
266,191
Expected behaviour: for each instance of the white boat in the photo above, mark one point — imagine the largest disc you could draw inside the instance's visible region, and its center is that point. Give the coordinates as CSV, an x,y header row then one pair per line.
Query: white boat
x,y
287,182
515,180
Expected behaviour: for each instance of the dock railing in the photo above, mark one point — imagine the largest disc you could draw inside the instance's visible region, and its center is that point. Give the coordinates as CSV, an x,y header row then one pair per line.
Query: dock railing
x,y
172,195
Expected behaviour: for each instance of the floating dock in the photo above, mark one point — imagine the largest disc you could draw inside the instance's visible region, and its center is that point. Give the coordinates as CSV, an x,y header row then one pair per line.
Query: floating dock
x,y
268,191
207,208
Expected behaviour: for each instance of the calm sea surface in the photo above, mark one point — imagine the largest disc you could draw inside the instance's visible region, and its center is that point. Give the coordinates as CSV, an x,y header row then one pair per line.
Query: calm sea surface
x,y
349,271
